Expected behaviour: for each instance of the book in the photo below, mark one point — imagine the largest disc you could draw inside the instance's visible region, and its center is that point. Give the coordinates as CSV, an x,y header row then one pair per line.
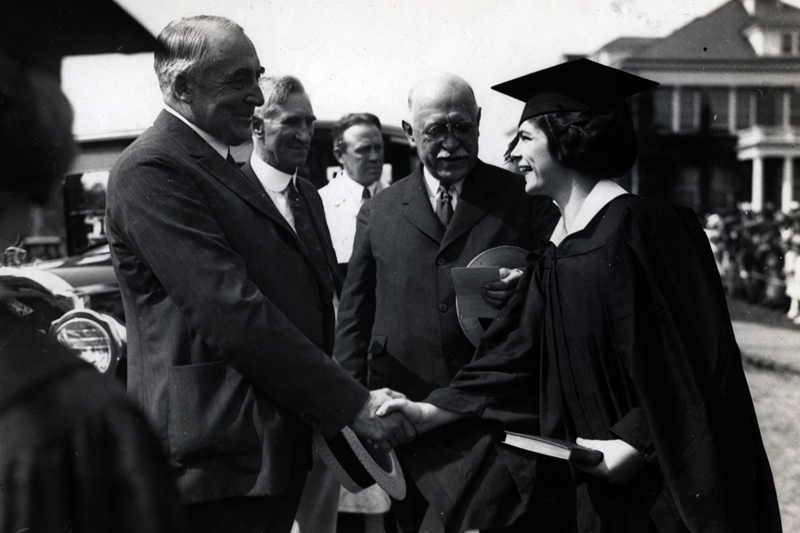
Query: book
x,y
559,449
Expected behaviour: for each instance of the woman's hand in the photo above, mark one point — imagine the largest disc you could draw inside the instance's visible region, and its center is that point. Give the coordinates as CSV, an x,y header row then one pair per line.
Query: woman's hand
x,y
497,293
621,461
423,416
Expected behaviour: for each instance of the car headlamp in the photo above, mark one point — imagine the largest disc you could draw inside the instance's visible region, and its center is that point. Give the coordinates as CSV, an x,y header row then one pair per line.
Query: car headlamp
x,y
95,338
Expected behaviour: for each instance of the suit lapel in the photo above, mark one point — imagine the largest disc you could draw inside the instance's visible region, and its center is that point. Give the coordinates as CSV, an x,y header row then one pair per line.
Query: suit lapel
x,y
473,204
243,182
246,187
418,210
316,212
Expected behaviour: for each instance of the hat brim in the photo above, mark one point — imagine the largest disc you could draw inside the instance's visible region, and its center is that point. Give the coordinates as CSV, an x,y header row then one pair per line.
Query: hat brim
x,y
354,467
502,257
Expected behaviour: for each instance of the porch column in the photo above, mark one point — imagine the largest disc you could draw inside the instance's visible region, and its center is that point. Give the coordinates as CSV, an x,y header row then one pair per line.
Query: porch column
x,y
732,110
757,196
787,185
676,109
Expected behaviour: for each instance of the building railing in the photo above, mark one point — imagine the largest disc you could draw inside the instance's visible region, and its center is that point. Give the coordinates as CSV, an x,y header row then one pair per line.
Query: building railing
x,y
771,135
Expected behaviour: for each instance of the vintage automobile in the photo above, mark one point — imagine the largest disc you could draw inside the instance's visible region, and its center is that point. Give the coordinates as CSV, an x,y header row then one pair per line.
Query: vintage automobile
x,y
81,287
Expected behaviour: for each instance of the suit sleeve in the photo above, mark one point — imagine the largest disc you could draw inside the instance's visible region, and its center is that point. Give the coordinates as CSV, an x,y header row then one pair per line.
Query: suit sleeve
x,y
674,333
497,384
357,308
157,211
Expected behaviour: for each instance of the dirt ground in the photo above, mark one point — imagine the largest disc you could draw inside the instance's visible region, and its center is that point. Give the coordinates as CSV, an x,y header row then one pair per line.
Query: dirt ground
x,y
777,401
776,395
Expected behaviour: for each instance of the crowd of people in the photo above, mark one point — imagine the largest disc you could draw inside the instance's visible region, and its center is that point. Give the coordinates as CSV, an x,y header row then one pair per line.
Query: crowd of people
x,y
756,254
247,343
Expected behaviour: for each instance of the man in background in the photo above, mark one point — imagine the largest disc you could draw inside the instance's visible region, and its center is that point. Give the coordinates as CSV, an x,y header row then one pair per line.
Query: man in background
x,y
230,320
358,147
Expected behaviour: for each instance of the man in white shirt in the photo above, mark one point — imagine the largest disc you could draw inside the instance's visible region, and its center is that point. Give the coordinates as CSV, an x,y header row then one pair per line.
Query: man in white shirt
x,y
358,146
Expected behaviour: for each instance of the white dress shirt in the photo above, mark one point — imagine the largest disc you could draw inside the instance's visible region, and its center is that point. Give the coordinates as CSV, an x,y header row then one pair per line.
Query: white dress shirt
x,y
601,195
432,184
342,199
275,183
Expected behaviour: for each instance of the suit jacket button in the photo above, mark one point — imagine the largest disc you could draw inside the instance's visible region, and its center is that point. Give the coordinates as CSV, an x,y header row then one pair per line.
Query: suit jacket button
x,y
442,307
441,261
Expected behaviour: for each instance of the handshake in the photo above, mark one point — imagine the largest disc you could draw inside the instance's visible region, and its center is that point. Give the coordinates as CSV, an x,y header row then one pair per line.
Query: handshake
x,y
389,419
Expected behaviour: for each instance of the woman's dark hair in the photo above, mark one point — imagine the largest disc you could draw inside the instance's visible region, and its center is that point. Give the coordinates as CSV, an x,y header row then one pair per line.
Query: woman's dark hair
x,y
603,144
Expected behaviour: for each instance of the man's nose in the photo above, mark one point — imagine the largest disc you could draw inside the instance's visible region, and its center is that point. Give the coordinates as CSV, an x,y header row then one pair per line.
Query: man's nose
x,y
255,96
450,141
305,133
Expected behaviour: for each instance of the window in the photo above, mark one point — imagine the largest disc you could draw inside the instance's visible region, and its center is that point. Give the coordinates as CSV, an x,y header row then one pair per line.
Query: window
x,y
744,116
662,108
718,108
794,107
786,44
690,101
769,106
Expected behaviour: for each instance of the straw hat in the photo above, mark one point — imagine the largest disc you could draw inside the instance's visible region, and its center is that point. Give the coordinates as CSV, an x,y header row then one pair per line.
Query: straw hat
x,y
357,467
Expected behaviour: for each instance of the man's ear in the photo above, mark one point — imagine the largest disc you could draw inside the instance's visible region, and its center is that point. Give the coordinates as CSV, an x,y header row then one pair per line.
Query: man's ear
x,y
338,153
182,89
478,121
409,133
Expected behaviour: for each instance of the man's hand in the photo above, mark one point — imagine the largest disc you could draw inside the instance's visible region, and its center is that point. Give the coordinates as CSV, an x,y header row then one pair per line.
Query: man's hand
x,y
496,294
423,416
383,433
621,461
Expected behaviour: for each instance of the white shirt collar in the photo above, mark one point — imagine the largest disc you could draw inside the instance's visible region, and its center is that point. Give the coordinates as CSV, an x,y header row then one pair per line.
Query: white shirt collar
x,y
220,147
354,187
601,195
270,177
432,184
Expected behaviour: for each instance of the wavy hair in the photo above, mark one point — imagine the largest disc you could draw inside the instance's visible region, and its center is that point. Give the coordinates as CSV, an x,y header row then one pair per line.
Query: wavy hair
x,y
603,144
185,47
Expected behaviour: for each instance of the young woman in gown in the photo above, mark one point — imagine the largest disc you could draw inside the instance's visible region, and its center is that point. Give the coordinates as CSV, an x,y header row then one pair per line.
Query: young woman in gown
x,y
620,332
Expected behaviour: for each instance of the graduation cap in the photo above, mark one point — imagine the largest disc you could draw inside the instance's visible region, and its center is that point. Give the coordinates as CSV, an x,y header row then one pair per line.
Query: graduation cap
x,y
578,85
39,33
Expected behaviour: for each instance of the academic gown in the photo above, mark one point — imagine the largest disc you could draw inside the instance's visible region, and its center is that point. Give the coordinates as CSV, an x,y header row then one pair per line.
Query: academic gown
x,y
624,328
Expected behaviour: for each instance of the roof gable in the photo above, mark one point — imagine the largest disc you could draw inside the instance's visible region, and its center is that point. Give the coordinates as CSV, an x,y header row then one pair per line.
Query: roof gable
x,y
718,35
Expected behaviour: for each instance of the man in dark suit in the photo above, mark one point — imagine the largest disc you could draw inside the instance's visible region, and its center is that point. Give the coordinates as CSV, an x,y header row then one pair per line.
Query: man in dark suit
x,y
228,306
282,132
397,320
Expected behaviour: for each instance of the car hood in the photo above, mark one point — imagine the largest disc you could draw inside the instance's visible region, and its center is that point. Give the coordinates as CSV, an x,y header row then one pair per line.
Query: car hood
x,y
90,270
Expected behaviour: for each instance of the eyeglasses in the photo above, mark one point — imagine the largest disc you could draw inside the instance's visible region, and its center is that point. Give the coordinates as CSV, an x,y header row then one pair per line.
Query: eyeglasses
x,y
438,132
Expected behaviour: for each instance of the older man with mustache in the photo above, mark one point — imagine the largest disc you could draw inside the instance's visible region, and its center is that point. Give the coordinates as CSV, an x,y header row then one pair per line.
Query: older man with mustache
x,y
398,326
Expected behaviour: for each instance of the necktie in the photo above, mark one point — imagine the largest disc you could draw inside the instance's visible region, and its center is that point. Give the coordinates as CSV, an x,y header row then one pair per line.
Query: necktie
x,y
444,207
231,160
365,194
304,229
